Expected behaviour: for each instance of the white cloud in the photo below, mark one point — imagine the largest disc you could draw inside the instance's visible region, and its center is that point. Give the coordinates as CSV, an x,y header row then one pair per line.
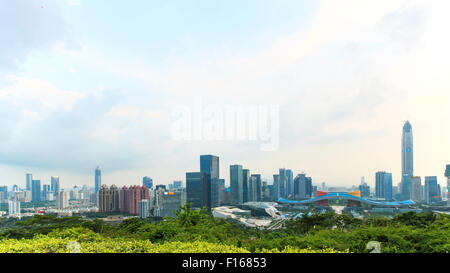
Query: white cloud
x,y
42,91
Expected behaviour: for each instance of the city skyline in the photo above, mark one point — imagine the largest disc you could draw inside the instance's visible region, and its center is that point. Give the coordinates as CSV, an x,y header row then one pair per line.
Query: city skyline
x,y
72,99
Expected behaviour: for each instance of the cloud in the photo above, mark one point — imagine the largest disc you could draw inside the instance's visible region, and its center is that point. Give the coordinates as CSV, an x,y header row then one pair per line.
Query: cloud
x,y
25,26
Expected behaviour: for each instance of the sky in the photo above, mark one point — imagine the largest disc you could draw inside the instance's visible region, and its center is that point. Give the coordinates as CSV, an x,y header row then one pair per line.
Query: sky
x,y
94,83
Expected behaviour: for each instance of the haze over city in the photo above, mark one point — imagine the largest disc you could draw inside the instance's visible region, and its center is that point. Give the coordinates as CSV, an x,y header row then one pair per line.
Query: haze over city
x,y
79,89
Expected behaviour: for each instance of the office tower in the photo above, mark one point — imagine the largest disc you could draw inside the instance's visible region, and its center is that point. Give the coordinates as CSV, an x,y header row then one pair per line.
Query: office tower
x,y
300,186
221,191
431,190
147,182
416,189
160,187
289,183
364,188
98,179
54,184
14,207
258,189
36,190
283,183
29,178
245,184
276,187
405,187
407,150
4,192
265,191
236,186
108,199
383,185
144,208
171,202
209,164
45,192
195,183
15,188
251,189
178,184
447,174
62,199
308,187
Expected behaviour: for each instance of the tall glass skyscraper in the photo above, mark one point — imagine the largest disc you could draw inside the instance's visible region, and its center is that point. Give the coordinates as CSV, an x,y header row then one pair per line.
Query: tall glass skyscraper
x,y
55,184
209,164
236,187
407,161
407,150
36,190
383,185
195,188
245,184
98,179
447,174
28,181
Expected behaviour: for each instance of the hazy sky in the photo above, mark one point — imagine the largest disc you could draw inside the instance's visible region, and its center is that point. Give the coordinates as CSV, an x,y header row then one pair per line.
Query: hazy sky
x,y
87,83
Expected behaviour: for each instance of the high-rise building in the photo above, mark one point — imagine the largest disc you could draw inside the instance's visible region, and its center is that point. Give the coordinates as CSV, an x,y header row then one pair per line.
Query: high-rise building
x,y
364,188
62,199
171,202
209,164
431,190
54,184
416,189
14,207
46,192
251,189
258,189
407,150
29,178
195,185
144,208
177,184
147,182
447,174
308,187
98,179
383,185
108,199
236,185
245,184
283,183
36,190
300,186
129,198
276,187
289,183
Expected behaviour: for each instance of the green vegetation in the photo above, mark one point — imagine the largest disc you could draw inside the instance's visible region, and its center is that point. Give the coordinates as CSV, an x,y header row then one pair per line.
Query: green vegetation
x,y
197,231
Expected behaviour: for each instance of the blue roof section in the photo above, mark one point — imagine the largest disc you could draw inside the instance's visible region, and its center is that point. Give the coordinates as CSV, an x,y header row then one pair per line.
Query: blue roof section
x,y
346,196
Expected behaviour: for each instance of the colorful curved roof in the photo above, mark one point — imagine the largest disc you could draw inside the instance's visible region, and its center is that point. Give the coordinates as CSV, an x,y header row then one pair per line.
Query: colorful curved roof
x,y
348,196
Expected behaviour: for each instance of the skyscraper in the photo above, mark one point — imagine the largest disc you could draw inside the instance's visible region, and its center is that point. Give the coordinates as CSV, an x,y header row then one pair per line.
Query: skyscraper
x,y
144,208
98,179
283,182
300,186
209,164
245,184
236,187
54,184
447,174
289,183
383,185
416,189
62,199
431,190
407,150
148,182
29,178
195,183
258,187
36,190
